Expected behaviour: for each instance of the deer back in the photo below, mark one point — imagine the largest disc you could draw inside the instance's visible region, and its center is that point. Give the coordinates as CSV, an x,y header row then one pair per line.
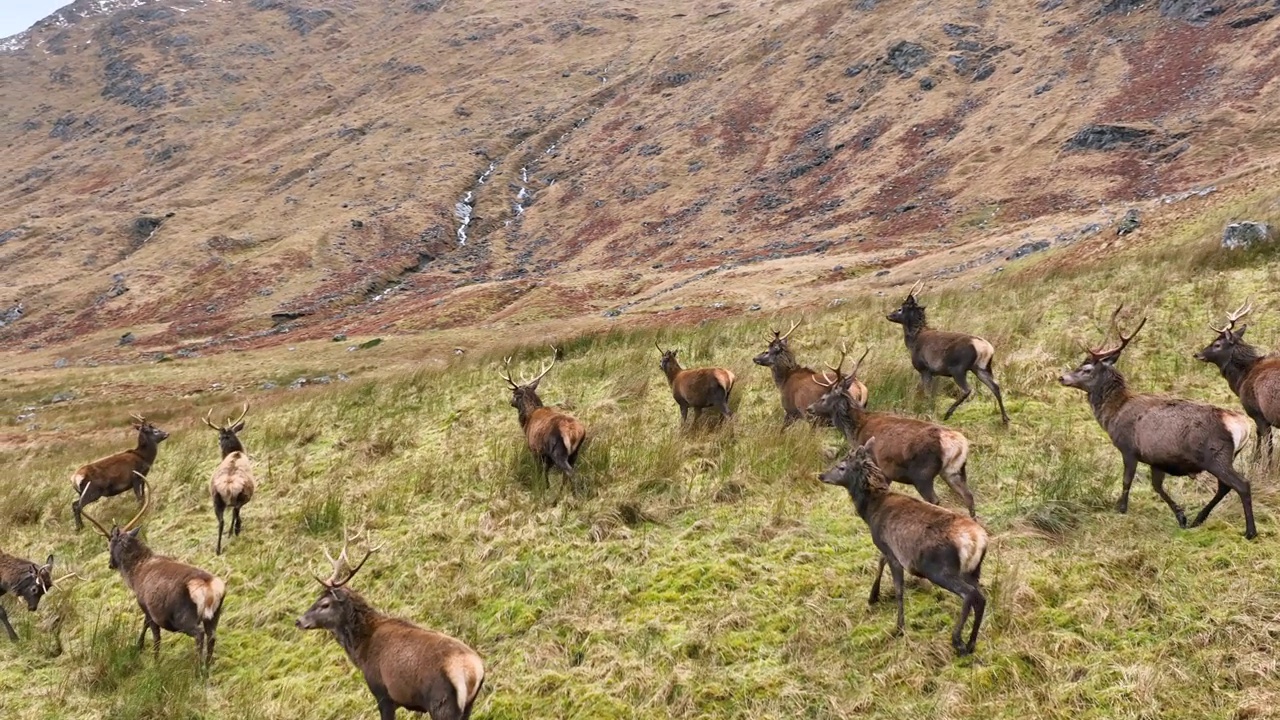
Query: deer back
x,y
546,424
233,479
800,391
696,386
168,590
1181,437
420,667
915,532
1260,390
940,350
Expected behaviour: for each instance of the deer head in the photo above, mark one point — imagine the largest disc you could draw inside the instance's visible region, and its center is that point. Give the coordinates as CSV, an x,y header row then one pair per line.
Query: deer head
x,y
1100,360
1219,351
123,541
778,351
227,439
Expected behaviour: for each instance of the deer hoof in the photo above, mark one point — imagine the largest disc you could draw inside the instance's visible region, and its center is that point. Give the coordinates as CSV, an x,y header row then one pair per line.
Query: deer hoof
x,y
1250,534
1122,506
1182,519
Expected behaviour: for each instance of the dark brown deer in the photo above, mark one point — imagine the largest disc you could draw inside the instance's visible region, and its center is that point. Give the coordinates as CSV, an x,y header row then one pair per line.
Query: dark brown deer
x,y
1252,376
405,666
26,580
916,537
117,473
795,382
909,451
232,484
554,436
697,388
938,352
1170,435
173,596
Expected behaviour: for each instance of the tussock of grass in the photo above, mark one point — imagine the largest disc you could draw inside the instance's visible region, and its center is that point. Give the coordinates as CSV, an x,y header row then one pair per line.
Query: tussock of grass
x,y
693,572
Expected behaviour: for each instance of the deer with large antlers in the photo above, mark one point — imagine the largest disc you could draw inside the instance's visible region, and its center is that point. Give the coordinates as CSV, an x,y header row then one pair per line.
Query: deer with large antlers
x,y
173,595
1170,435
117,473
232,484
796,383
909,451
1252,376
404,665
26,580
697,388
939,352
554,436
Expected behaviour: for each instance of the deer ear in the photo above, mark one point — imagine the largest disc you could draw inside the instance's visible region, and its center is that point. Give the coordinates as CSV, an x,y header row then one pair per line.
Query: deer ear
x,y
134,533
534,385
49,562
237,427
1240,333
869,444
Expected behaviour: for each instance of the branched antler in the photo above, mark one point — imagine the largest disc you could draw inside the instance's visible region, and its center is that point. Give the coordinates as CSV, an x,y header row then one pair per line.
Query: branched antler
x,y
342,564
1099,353
1232,317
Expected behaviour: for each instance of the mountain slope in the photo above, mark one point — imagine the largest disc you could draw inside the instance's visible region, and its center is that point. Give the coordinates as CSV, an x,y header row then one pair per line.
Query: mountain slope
x,y
187,169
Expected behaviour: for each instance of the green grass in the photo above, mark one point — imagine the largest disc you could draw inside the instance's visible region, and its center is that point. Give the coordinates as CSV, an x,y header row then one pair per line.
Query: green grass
x,y
696,574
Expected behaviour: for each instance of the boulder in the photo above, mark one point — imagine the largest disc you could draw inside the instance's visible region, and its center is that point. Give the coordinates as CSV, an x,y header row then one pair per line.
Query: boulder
x,y
1246,234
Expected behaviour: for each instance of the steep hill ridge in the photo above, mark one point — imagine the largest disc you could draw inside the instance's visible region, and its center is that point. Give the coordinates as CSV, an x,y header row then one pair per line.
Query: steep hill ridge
x,y
211,173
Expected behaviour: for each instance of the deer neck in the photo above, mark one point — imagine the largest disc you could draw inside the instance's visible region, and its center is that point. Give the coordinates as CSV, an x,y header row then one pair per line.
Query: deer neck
x,y
849,419
527,407
867,498
135,557
1238,366
231,446
1108,396
911,331
359,620
783,368
672,371
146,449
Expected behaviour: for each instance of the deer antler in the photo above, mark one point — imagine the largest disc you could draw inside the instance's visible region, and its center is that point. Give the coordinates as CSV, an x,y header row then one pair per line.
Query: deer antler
x,y
836,369
1099,353
1240,312
858,364
207,421
507,374
244,411
794,325
916,288
338,564
141,420
146,500
547,369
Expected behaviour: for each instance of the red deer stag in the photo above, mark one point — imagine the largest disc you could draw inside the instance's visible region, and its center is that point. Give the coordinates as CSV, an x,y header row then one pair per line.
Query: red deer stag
x,y
794,381
117,473
554,436
1252,376
915,537
26,580
697,388
173,596
232,484
1170,435
405,666
909,451
938,352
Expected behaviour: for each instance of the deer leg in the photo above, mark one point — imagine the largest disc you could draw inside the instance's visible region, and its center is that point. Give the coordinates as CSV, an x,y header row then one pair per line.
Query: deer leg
x,y
137,488
986,378
1203,515
155,636
386,706
219,507
973,601
965,392
211,636
960,486
924,486
89,494
235,520
895,571
684,413
1241,485
1263,438
1157,484
1130,469
697,415
722,403
4,620
874,597
199,636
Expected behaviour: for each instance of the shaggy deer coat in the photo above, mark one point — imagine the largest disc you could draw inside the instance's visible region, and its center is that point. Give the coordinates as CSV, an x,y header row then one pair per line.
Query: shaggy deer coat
x,y
117,473
1170,435
405,666
1252,376
553,436
938,352
232,484
796,384
697,388
173,596
26,580
908,451
913,536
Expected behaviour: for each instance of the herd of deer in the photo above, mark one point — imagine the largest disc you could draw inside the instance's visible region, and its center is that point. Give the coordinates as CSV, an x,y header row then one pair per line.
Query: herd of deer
x,y
407,666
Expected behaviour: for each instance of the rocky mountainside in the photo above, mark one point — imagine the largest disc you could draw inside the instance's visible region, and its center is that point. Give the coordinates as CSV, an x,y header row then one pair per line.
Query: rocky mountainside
x,y
208,173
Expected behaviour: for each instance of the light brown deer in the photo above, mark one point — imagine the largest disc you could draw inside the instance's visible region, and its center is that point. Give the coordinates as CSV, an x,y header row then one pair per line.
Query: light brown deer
x,y
697,388
553,436
1253,376
232,484
794,381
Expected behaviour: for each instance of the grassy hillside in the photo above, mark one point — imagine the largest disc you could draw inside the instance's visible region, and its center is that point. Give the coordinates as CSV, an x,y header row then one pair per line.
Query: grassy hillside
x,y
703,573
